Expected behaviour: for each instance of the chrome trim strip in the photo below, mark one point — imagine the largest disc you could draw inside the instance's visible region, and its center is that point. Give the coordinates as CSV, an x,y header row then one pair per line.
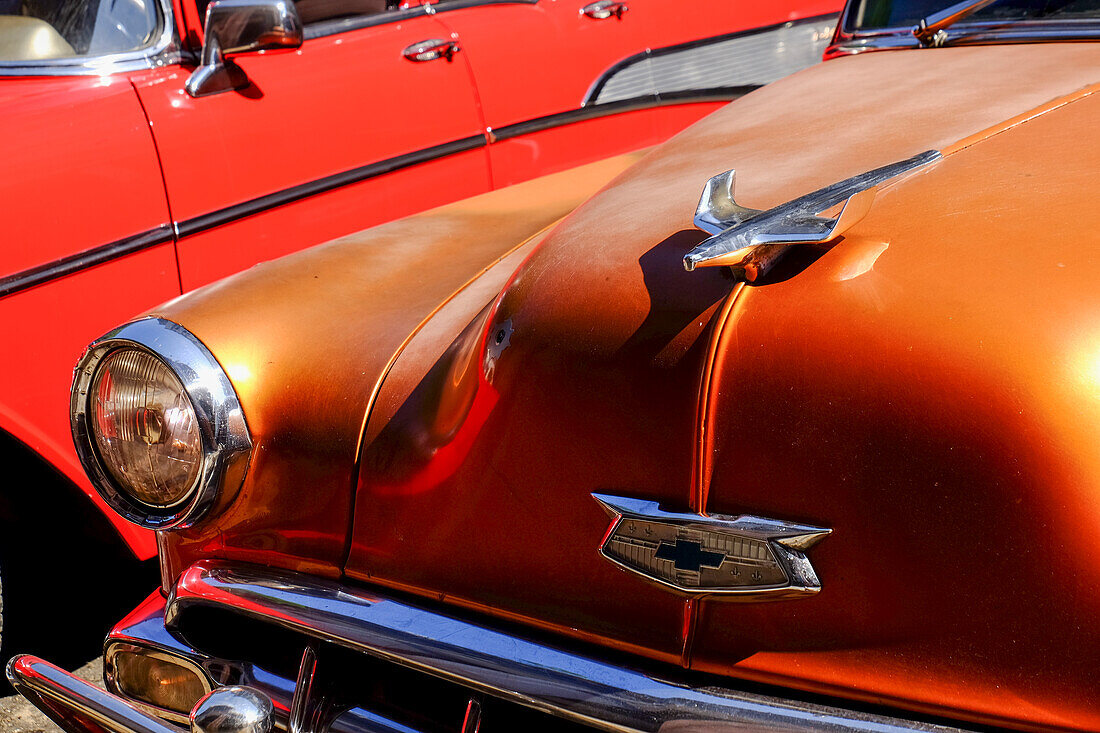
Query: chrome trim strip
x,y
226,443
328,183
579,688
77,705
162,52
83,260
301,704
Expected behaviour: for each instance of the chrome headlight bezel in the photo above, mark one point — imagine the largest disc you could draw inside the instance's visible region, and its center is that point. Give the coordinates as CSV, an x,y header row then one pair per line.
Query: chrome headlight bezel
x,y
226,443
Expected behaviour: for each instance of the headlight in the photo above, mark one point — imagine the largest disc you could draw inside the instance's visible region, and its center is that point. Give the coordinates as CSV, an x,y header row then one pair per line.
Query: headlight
x,y
157,424
144,426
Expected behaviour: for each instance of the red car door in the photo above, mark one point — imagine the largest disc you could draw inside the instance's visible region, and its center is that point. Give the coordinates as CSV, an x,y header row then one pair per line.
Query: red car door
x,y
328,139
533,63
563,82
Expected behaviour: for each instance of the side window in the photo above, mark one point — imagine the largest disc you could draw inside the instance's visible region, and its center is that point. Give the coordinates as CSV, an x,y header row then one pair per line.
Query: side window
x,y
36,30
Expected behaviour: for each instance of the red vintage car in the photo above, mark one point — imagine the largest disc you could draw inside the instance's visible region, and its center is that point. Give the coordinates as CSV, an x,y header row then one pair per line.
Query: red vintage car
x,y
147,152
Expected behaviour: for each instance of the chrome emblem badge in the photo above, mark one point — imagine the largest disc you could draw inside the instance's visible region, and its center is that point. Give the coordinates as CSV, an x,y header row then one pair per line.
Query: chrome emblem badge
x,y
753,558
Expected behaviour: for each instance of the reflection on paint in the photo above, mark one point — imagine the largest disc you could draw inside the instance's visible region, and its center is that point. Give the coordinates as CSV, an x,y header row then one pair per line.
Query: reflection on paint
x,y
1088,367
238,372
859,259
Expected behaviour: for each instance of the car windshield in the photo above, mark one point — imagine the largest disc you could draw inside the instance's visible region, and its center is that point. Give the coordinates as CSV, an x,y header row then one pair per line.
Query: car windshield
x,y
882,14
37,30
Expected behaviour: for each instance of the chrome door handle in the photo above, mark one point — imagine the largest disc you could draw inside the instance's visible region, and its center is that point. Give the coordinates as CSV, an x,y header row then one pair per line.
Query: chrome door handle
x,y
431,49
602,9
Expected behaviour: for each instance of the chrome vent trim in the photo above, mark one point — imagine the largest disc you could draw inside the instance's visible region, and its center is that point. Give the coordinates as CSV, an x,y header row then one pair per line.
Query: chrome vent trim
x,y
748,59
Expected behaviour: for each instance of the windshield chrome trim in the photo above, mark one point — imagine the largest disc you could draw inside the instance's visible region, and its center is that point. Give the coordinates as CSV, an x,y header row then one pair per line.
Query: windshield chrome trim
x,y
847,42
164,51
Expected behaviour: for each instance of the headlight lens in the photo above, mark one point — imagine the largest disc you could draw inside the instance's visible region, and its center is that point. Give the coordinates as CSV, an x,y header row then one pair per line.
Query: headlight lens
x,y
157,424
145,428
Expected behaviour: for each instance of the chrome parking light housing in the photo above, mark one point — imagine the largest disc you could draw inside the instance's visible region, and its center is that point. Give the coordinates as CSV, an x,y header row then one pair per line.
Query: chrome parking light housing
x,y
224,441
115,678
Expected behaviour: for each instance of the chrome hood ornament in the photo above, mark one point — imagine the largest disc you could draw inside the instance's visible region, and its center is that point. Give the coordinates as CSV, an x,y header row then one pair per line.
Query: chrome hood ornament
x,y
751,240
754,558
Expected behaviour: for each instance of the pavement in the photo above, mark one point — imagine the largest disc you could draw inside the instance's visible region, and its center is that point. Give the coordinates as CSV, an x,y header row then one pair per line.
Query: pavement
x,y
61,607
19,716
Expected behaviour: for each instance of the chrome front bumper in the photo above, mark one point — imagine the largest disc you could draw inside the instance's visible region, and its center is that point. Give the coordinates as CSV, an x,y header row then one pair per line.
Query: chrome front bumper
x,y
75,704
489,665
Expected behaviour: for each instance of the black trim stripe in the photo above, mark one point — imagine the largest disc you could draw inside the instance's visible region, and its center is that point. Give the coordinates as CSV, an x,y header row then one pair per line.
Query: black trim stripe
x,y
591,111
83,260
338,180
164,233
597,87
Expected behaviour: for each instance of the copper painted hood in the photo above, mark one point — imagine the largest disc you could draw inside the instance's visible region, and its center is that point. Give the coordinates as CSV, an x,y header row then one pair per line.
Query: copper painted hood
x,y
596,366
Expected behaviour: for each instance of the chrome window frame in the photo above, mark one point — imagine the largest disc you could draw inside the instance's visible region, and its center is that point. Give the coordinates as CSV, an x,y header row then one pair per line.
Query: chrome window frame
x,y
164,51
849,41
324,28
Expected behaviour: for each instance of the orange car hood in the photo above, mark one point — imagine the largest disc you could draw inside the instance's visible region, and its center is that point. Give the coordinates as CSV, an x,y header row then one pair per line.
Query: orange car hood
x,y
608,346
814,128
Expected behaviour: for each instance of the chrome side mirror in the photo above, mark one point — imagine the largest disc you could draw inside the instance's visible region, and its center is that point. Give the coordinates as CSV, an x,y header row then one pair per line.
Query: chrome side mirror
x,y
241,26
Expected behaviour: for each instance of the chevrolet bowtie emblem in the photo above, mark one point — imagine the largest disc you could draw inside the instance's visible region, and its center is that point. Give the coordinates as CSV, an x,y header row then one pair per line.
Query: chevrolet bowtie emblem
x,y
752,558
750,240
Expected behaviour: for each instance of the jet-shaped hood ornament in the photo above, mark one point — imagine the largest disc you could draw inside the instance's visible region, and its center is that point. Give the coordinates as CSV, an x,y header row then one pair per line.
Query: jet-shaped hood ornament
x,y
751,240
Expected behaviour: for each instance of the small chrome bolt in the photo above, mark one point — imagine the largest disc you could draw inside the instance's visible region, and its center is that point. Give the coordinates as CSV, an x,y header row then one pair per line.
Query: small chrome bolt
x,y
233,709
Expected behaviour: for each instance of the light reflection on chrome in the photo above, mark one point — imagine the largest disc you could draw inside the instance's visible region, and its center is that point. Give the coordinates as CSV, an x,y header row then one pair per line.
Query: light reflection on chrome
x,y
579,688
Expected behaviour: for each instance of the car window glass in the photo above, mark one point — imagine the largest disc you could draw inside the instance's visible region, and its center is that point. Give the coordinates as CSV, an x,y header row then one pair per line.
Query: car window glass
x,y
871,14
35,30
